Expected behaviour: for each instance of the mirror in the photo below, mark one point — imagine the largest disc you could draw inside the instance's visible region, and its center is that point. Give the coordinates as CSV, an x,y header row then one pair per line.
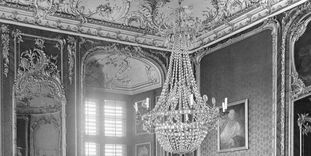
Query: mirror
x,y
301,141
40,106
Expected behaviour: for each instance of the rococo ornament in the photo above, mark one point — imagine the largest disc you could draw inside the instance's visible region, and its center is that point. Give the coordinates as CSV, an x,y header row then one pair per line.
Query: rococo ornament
x,y
38,88
5,41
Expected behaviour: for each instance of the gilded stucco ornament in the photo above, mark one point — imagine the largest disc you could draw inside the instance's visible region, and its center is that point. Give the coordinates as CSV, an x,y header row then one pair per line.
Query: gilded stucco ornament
x,y
293,27
298,88
144,19
71,49
114,68
5,41
38,86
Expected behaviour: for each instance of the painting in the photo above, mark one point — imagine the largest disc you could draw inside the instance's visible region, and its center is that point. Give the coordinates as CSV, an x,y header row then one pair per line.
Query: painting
x,y
143,149
142,109
233,127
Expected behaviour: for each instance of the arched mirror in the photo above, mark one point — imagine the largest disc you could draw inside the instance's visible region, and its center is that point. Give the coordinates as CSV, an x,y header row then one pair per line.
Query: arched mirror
x,y
115,79
300,103
39,106
302,129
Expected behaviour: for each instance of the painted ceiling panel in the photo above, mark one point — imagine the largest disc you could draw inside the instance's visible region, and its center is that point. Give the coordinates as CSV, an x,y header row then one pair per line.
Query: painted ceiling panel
x,y
121,74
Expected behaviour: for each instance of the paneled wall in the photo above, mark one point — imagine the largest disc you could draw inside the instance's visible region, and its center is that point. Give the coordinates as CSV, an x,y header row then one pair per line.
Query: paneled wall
x,y
243,70
68,52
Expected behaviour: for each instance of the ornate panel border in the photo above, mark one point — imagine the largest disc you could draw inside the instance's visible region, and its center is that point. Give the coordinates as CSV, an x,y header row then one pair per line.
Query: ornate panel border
x,y
273,25
16,13
294,25
5,43
34,66
18,38
48,119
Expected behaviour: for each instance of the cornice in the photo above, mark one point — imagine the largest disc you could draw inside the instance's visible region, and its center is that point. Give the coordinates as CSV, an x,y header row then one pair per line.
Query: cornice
x,y
78,24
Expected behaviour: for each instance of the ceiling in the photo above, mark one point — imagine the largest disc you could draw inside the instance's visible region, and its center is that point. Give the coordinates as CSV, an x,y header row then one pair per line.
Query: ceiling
x,y
138,23
121,73
141,21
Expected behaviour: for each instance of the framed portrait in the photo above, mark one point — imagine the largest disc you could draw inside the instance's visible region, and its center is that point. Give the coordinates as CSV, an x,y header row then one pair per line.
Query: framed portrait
x,y
233,127
143,149
141,106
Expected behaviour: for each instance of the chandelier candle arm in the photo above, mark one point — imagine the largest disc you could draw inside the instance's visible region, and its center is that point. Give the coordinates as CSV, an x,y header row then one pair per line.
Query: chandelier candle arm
x,y
181,118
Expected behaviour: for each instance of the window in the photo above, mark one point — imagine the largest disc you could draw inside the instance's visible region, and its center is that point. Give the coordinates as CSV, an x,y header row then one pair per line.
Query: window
x,y
112,115
115,150
91,149
114,118
90,118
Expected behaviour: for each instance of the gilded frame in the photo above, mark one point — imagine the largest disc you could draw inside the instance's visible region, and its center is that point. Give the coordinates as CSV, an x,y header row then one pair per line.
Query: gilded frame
x,y
295,24
143,144
57,84
235,106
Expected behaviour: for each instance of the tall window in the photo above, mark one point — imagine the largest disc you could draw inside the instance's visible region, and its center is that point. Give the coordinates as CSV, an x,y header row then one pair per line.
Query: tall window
x,y
112,116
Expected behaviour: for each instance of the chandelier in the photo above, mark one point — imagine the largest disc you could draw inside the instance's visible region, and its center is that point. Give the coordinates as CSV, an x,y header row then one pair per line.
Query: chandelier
x,y
181,117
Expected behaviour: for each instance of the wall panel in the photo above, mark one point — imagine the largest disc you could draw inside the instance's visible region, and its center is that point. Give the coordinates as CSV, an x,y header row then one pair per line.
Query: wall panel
x,y
243,70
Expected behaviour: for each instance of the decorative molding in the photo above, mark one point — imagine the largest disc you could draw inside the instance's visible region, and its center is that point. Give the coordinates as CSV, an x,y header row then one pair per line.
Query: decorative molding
x,y
38,121
71,49
38,89
298,88
5,40
294,25
270,24
38,77
111,67
220,20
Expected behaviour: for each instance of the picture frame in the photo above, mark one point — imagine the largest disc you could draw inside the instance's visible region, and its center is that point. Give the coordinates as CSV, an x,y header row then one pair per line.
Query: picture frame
x,y
143,149
139,129
233,127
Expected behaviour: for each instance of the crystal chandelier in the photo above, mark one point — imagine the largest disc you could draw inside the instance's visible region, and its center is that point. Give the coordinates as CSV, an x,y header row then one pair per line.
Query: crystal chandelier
x,y
181,117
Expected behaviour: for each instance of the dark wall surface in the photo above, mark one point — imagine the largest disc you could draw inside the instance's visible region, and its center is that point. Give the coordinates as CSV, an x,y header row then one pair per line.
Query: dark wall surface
x,y
242,70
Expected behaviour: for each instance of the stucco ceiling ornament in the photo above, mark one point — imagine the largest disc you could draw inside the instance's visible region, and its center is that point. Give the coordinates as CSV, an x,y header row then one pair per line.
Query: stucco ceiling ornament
x,y
114,68
38,87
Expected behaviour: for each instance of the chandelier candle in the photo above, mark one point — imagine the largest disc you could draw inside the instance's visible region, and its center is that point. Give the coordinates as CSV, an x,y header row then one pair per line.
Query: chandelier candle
x,y
181,117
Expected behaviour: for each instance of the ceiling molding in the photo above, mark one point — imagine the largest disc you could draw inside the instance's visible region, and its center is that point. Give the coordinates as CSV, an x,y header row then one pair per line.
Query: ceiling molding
x,y
106,24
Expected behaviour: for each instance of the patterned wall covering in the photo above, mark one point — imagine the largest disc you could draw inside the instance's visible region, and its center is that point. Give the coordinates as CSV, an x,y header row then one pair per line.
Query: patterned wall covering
x,y
67,53
236,72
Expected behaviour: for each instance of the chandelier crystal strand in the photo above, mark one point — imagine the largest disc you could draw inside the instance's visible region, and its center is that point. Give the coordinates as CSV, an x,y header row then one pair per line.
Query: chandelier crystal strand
x,y
181,118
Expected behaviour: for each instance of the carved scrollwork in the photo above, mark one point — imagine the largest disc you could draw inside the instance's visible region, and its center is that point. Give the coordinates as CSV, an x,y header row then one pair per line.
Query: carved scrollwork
x,y
71,49
38,86
5,41
296,30
298,88
294,26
